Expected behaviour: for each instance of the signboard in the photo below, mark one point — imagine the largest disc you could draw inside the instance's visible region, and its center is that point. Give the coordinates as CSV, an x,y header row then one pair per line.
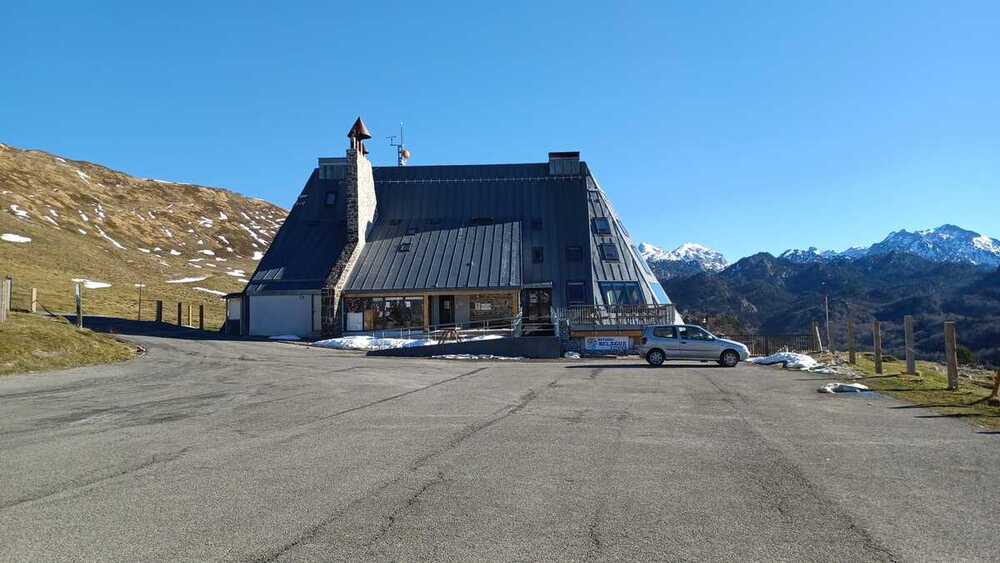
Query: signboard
x,y
355,322
608,344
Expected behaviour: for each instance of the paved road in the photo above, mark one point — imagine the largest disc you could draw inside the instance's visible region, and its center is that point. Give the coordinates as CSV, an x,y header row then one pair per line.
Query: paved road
x,y
215,450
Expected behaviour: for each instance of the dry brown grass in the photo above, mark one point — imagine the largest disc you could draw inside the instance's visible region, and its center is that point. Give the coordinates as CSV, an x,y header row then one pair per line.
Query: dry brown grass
x,y
137,213
35,343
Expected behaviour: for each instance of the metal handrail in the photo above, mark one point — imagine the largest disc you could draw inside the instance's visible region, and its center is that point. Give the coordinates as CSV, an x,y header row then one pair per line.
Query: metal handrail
x,y
620,315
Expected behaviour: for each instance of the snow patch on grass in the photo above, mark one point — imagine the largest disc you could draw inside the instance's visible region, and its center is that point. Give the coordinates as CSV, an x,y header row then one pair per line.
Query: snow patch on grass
x,y
189,280
11,237
212,291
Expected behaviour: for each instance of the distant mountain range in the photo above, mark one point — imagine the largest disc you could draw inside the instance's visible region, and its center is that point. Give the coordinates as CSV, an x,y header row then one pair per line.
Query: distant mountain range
x,y
936,274
946,243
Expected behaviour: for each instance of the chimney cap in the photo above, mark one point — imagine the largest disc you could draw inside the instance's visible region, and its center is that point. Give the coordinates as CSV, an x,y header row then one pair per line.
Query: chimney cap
x,y
359,131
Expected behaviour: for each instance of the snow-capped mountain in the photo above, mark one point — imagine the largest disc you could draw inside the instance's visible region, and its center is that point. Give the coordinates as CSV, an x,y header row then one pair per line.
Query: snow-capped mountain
x,y
688,258
946,243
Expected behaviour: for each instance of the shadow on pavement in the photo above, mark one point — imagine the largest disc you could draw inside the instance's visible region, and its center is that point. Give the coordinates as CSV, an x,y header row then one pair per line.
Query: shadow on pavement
x,y
131,327
645,366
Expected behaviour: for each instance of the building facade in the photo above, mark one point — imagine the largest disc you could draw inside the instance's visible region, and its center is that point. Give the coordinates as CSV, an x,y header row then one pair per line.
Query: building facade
x,y
416,247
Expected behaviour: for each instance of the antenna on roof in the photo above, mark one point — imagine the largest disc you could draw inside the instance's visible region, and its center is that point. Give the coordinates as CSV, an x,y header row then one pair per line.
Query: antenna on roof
x,y
402,155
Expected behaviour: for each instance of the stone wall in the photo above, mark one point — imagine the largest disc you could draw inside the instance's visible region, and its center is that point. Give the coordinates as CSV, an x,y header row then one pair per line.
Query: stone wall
x,y
358,193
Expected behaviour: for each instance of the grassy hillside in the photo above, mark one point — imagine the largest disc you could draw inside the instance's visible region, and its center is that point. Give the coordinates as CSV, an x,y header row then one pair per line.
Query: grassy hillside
x,y
34,343
86,221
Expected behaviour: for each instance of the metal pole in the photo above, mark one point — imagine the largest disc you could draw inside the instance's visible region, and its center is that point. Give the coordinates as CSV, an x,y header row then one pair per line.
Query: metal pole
x,y
79,306
826,306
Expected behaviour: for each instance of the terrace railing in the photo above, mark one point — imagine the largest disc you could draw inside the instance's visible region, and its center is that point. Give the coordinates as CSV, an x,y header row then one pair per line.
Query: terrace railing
x,y
618,316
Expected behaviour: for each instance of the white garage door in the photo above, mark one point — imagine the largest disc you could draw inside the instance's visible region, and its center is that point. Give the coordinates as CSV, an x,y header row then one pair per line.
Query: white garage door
x,y
273,315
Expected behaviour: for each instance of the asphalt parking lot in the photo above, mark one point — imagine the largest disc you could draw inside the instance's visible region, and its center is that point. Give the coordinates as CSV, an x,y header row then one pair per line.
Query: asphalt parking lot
x,y
247,451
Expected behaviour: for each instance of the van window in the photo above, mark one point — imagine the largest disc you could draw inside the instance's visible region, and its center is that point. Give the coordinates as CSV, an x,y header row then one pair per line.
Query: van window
x,y
664,332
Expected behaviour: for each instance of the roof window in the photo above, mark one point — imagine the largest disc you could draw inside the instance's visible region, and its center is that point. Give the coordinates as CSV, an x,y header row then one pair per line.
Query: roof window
x,y
602,226
609,252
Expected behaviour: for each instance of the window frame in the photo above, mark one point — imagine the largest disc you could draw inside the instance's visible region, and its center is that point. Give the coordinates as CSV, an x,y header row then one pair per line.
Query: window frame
x,y
601,225
582,300
609,252
619,288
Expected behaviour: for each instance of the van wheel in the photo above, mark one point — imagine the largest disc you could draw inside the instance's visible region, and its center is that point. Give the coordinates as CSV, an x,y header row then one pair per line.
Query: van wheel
x,y
729,359
655,357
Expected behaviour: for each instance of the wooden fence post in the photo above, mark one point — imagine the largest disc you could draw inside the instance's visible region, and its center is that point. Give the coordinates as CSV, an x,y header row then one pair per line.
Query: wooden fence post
x,y
79,306
8,294
911,362
159,311
817,342
994,398
201,317
877,344
3,302
34,300
189,323
180,317
851,357
951,354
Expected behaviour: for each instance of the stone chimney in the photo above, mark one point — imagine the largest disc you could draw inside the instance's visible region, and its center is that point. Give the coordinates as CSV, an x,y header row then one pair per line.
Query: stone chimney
x,y
357,190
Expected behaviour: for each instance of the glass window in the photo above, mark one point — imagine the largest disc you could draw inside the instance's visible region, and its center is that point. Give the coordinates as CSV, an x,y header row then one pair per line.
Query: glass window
x,y
331,198
609,252
386,313
664,332
574,254
576,293
692,333
621,293
602,226
404,247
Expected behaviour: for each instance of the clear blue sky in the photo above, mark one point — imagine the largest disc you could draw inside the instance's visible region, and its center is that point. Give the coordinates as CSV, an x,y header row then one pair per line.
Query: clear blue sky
x,y
745,126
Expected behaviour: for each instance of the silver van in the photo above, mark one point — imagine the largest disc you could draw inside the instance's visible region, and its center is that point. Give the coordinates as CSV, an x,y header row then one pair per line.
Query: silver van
x,y
688,342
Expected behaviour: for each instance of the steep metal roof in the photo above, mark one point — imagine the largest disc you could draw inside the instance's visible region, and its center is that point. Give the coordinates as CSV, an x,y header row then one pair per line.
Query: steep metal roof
x,y
306,245
497,226
466,227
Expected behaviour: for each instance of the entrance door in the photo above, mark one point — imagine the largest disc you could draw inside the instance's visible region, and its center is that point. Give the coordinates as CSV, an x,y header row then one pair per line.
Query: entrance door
x,y
537,312
446,309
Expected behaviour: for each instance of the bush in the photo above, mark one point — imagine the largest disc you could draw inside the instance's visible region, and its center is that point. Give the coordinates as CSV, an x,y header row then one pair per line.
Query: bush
x,y
965,356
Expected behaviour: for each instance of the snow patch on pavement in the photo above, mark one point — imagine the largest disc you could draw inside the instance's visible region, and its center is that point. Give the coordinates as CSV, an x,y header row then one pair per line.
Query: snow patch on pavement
x,y
790,360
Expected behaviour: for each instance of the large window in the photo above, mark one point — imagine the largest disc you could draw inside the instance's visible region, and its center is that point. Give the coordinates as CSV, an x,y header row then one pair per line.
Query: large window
x,y
576,293
384,313
621,293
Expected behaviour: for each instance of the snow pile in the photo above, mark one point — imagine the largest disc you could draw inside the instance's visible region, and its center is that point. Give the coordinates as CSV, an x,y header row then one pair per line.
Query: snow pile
x,y
372,343
284,337
207,252
572,355
188,280
474,357
91,284
837,387
11,237
257,255
206,290
790,360
18,212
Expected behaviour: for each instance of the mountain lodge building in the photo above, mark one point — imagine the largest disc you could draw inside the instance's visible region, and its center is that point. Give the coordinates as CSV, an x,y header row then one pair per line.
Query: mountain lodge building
x,y
400,248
